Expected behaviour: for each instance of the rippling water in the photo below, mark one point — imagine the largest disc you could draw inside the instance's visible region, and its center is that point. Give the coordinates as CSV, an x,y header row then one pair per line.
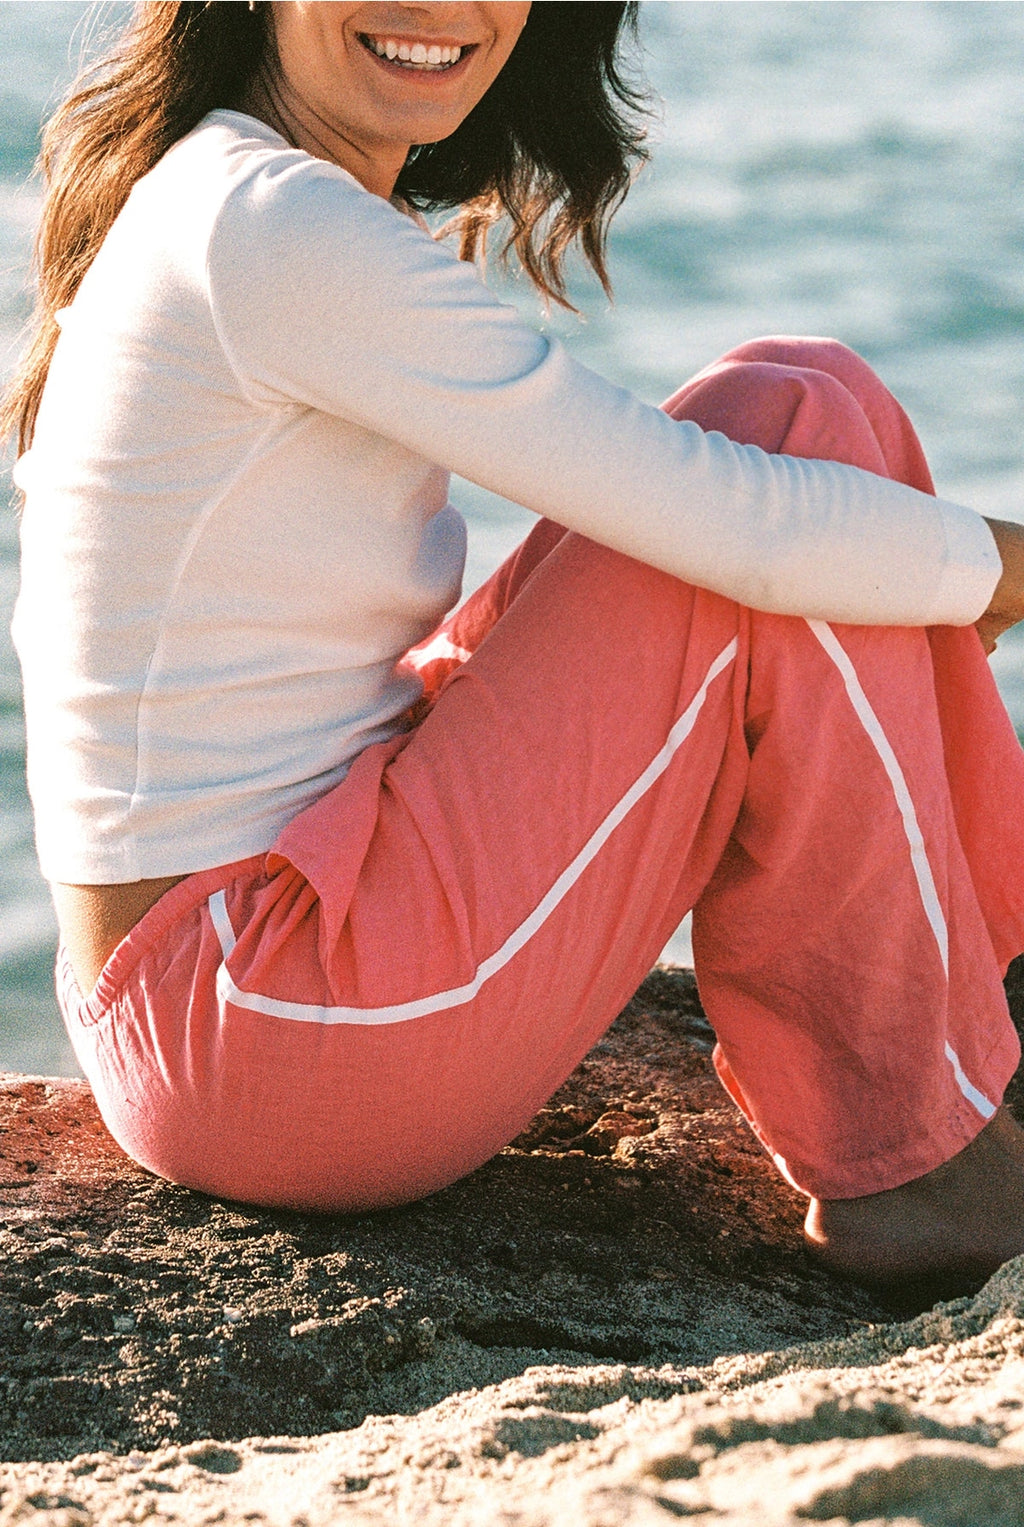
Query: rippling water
x,y
850,169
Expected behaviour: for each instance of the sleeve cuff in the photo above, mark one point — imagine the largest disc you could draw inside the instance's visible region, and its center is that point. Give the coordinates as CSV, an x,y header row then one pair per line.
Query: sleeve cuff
x,y
973,567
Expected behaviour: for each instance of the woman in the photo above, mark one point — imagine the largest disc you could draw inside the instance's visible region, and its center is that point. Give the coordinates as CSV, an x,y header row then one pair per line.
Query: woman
x,y
344,896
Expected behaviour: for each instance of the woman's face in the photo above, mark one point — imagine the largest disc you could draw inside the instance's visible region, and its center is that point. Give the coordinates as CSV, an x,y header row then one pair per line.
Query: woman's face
x,y
369,80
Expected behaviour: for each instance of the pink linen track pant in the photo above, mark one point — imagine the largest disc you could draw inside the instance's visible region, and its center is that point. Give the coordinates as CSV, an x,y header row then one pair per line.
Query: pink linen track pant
x,y
377,1005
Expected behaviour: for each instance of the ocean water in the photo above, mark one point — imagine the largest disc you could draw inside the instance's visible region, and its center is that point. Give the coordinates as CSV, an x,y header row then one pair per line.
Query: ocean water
x,y
834,168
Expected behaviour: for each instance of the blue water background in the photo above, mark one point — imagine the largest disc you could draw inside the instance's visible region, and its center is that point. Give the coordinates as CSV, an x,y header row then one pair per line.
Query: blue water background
x,y
849,169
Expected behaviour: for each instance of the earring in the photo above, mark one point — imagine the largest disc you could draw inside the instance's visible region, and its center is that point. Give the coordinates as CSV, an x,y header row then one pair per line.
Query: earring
x,y
252,5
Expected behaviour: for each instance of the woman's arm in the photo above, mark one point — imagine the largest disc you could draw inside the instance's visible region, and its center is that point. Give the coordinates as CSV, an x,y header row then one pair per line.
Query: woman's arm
x,y
326,296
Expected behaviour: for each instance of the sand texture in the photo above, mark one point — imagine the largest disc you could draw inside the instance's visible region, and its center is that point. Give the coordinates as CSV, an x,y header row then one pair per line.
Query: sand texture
x,y
612,1322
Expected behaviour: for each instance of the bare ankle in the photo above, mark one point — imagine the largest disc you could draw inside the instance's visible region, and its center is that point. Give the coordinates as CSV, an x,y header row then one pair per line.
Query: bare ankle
x,y
958,1223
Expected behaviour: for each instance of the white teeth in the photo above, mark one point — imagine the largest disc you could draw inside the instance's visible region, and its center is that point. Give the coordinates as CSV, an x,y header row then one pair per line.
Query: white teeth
x,y
416,55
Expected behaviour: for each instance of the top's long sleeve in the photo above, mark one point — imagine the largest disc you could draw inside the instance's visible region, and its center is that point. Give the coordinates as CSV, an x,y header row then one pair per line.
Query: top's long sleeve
x,y
327,296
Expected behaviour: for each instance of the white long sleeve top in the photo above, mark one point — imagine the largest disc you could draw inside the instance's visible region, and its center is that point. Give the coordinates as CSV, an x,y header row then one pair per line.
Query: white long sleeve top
x,y
237,514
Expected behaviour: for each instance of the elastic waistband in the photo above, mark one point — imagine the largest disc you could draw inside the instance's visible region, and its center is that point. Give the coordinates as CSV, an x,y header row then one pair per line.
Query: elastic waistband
x,y
174,906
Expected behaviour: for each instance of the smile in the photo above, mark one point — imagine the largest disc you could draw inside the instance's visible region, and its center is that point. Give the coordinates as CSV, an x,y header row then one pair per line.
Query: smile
x,y
432,58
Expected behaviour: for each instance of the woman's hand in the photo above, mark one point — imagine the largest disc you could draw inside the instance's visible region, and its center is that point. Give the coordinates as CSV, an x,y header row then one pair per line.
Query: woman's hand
x,y
1007,606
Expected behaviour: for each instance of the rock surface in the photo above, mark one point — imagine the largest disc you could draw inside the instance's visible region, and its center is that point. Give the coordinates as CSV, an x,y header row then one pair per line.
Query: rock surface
x,y
612,1322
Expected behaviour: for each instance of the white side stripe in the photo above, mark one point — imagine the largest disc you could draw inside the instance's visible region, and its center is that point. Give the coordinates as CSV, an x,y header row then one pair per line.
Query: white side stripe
x,y
871,724
441,646
984,1106
918,855
403,1011
218,908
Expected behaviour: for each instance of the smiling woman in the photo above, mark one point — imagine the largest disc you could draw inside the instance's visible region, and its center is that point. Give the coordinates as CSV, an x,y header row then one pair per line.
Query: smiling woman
x,y
346,888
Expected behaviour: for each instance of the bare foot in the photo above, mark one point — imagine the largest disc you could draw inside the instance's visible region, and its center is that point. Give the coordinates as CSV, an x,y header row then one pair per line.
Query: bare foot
x,y
955,1225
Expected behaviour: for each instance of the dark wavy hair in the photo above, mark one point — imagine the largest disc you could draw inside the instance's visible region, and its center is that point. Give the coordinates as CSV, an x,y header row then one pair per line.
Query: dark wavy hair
x,y
551,147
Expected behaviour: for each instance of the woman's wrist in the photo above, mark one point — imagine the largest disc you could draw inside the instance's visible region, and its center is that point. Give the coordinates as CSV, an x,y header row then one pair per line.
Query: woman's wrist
x,y
1006,606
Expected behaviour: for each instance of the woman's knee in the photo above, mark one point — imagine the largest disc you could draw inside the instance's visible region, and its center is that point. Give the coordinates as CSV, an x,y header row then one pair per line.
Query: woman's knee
x,y
805,397
808,352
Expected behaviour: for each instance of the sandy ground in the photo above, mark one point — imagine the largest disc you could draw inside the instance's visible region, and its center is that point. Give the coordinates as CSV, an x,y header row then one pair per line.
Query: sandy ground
x,y
612,1322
